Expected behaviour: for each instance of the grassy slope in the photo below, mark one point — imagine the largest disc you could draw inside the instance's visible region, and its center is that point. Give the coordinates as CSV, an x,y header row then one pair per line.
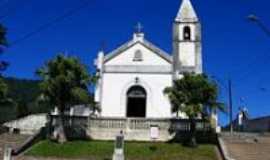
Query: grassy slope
x,y
133,151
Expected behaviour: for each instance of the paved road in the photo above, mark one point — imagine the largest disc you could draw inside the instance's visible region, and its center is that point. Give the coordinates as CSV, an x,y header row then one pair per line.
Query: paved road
x,y
248,149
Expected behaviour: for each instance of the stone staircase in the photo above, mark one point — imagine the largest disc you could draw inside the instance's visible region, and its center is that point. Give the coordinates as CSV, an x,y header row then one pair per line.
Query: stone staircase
x,y
248,146
12,140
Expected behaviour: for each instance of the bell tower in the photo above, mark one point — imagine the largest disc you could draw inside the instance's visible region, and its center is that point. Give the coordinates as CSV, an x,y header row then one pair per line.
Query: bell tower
x,y
187,52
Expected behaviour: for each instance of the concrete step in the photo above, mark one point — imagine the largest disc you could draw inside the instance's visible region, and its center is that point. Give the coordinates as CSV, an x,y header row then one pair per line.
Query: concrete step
x,y
12,140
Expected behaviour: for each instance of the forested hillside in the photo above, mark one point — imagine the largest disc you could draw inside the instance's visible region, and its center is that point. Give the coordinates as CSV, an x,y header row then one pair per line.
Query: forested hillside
x,y
22,90
24,94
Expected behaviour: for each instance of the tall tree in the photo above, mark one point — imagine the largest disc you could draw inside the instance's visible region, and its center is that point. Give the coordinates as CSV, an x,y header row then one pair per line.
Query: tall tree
x,y
3,65
3,39
64,83
3,44
3,91
195,95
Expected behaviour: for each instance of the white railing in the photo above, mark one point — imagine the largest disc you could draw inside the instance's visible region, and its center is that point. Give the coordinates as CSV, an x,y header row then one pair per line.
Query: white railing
x,y
135,129
107,123
145,124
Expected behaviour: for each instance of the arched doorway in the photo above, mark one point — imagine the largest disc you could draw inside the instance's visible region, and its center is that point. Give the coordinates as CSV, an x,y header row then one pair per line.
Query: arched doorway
x,y
136,102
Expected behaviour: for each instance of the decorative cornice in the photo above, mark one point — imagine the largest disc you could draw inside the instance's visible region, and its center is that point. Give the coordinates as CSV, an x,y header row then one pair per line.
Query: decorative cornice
x,y
138,69
187,69
187,41
186,22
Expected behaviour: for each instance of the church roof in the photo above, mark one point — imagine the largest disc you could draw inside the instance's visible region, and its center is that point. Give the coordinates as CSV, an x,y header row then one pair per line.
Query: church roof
x,y
186,13
138,39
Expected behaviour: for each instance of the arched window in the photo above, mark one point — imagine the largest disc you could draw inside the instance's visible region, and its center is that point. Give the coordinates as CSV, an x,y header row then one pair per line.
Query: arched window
x,y
138,56
136,92
187,33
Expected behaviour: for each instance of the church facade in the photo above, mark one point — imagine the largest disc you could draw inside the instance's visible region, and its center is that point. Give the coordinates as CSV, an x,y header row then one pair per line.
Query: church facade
x,y
132,78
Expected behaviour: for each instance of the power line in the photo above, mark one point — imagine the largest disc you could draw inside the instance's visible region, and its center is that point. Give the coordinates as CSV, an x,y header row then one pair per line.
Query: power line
x,y
53,21
6,3
13,10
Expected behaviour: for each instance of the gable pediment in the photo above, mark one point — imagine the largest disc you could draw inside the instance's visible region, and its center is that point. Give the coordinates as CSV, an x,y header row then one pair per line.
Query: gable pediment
x,y
138,53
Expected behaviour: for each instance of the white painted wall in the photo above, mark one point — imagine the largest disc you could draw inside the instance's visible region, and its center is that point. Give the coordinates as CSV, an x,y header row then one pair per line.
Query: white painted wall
x,y
29,124
187,54
115,87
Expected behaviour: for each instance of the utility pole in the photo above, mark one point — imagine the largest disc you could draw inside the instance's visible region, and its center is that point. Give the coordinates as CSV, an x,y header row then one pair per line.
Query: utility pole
x,y
230,101
230,105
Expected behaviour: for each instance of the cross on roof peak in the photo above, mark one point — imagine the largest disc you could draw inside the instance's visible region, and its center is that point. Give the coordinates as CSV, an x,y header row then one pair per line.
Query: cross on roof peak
x,y
138,28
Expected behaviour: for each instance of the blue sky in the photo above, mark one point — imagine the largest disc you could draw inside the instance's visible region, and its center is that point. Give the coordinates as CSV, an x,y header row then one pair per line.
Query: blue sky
x,y
232,46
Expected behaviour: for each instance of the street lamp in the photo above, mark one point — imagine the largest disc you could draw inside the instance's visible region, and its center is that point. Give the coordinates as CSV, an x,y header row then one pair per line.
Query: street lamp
x,y
253,17
256,20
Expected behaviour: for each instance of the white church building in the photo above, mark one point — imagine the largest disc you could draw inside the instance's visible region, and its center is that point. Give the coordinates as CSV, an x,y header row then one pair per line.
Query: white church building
x,y
130,88
132,78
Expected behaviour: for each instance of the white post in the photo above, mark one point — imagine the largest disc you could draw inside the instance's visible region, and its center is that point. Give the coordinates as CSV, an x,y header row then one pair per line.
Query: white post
x,y
119,147
240,121
214,121
7,153
71,112
55,111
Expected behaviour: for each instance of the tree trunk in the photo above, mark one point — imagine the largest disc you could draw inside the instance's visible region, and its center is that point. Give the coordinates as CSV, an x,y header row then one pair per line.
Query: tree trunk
x,y
61,129
192,140
59,133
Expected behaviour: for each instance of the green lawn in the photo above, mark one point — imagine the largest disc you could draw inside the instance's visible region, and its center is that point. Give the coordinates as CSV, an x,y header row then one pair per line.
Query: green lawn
x,y
99,150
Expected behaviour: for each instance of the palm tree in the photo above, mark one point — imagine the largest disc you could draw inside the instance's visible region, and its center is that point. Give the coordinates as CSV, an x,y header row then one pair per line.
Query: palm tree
x,y
64,83
195,95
